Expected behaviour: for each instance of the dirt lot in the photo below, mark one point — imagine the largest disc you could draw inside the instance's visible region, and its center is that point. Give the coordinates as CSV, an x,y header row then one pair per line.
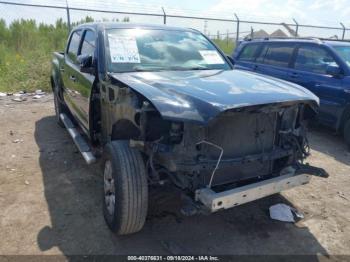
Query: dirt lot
x,y
50,202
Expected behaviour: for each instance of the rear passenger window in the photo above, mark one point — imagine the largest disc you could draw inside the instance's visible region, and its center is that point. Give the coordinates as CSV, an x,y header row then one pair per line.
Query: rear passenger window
x,y
249,52
313,59
74,45
278,54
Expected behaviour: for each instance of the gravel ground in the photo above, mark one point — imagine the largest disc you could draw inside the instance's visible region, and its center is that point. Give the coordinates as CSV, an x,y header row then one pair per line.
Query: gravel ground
x,y
50,201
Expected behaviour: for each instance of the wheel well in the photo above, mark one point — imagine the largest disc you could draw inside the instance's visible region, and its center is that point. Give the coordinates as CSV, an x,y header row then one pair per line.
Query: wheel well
x,y
124,129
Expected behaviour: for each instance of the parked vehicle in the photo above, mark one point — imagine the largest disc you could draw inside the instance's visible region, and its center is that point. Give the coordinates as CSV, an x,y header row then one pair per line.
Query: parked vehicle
x,y
321,66
164,105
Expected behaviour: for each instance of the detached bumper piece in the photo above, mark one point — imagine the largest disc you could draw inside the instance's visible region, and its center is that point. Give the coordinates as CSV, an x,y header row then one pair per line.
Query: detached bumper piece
x,y
290,177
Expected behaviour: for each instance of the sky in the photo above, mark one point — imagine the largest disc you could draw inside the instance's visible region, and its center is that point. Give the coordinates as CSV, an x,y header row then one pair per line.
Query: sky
x,y
317,12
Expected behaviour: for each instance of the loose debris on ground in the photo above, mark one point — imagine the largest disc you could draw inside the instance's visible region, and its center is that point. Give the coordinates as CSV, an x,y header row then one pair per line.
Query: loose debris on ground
x,y
22,96
284,213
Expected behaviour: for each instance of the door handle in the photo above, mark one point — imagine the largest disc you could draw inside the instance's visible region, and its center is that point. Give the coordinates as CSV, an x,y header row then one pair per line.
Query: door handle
x,y
73,78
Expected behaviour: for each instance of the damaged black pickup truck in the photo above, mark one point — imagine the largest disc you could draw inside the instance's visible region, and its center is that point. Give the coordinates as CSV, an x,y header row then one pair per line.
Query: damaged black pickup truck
x,y
162,105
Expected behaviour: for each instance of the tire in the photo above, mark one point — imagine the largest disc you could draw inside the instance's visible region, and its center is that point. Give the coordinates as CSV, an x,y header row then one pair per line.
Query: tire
x,y
125,194
59,107
347,133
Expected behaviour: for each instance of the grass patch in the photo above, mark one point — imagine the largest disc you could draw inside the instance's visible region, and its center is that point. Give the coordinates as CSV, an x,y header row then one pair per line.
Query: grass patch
x,y
28,71
26,52
226,46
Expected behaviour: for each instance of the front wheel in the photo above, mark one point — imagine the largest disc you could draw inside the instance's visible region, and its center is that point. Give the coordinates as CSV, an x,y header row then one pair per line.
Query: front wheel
x,y
125,194
347,132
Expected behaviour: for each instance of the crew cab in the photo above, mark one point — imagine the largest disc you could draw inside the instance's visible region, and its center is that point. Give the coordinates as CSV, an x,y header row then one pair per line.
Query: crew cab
x,y
322,66
158,105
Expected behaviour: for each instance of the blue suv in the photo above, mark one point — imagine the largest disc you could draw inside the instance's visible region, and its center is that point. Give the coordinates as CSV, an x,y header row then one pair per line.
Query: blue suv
x,y
323,67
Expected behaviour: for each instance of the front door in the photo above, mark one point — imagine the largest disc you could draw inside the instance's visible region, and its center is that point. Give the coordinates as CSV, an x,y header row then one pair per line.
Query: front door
x,y
77,84
274,59
310,71
84,81
246,58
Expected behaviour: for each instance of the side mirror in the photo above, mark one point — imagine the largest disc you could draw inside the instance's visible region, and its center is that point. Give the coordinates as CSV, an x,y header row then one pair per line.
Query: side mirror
x,y
230,59
334,70
86,63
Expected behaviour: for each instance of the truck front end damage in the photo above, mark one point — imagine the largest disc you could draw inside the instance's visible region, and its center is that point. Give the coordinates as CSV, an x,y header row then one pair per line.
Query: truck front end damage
x,y
241,155
223,137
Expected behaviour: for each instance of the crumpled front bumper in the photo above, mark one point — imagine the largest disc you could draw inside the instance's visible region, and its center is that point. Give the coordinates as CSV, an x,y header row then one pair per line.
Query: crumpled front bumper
x,y
290,177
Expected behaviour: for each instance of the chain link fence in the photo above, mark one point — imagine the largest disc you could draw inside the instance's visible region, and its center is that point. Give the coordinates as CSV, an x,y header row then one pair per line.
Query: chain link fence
x,y
226,32
30,32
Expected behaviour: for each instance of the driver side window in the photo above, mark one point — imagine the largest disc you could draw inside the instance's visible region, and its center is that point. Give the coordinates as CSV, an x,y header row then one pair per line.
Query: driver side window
x,y
88,45
74,46
314,59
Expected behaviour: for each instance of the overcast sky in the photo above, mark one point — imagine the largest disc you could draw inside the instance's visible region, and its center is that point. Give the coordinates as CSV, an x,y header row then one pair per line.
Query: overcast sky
x,y
317,12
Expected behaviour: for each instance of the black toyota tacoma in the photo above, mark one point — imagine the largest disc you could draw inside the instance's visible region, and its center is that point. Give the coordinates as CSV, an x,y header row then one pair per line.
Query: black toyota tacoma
x,y
159,105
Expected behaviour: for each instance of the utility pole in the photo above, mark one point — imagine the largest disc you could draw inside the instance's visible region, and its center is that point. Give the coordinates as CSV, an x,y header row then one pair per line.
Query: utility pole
x,y
68,16
237,29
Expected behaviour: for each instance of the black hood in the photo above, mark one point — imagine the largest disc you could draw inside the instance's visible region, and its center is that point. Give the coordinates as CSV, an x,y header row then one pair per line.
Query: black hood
x,y
201,95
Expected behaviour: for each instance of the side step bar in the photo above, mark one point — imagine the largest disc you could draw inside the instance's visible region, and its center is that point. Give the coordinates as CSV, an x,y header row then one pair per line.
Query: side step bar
x,y
78,139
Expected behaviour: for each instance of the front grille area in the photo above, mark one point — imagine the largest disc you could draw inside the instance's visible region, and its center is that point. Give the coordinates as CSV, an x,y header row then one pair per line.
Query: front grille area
x,y
241,134
250,141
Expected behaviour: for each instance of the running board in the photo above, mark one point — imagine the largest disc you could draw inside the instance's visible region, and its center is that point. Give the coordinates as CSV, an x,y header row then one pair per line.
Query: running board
x,y
78,139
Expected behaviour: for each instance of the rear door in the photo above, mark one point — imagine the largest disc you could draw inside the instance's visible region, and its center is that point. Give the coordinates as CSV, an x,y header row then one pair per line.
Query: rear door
x,y
310,71
275,59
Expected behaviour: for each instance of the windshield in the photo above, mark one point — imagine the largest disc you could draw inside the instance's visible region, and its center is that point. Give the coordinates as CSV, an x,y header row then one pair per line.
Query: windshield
x,y
343,52
129,50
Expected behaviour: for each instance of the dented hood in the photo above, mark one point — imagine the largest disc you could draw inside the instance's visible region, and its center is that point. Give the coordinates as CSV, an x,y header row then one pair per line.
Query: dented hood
x,y
201,95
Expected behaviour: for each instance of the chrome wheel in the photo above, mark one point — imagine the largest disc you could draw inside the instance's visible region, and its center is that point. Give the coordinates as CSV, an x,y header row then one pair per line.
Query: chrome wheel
x,y
109,187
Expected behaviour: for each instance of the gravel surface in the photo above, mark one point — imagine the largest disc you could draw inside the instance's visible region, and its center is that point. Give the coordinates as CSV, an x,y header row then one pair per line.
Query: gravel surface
x,y
50,201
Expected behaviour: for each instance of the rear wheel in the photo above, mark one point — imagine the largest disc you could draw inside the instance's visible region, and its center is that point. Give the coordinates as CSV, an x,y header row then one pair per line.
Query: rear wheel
x,y
59,107
347,132
125,194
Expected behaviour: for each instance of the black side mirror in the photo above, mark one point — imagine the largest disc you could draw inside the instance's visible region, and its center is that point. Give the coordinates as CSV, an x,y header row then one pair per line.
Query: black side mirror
x,y
86,63
230,59
334,70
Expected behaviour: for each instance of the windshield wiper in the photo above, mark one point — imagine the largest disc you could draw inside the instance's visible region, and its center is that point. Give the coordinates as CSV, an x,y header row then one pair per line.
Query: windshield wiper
x,y
179,68
200,68
155,69
138,69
